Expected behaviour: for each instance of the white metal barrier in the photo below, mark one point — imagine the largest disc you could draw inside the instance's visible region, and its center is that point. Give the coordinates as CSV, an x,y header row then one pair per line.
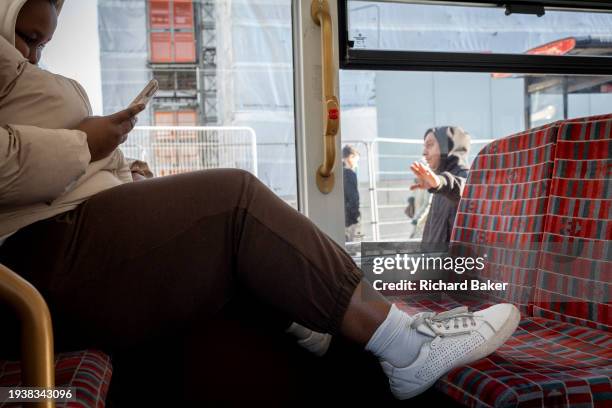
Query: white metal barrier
x,y
173,150
179,149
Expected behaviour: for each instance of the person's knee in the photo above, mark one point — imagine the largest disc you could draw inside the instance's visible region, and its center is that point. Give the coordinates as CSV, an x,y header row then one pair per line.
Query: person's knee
x,y
246,183
237,174
241,177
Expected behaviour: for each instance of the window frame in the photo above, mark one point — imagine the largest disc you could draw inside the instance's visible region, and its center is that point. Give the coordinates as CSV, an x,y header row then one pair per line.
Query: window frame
x,y
394,60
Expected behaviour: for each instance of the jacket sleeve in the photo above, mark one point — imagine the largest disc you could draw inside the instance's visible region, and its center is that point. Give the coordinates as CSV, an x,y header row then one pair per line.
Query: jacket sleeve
x,y
451,185
123,168
38,165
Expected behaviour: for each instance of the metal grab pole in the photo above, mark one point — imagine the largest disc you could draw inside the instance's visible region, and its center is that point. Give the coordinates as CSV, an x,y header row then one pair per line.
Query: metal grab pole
x,y
325,174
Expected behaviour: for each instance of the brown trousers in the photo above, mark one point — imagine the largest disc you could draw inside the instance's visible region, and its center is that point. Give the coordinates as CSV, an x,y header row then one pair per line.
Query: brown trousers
x,y
155,256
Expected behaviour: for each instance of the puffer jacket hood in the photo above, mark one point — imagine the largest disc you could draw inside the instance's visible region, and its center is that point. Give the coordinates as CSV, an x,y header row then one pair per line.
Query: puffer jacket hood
x,y
9,11
454,146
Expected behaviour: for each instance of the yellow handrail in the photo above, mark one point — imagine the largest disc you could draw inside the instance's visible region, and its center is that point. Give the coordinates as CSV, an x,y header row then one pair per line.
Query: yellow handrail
x,y
37,360
325,174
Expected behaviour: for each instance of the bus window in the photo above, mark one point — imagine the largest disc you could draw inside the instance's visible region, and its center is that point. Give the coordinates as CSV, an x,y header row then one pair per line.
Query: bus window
x,y
439,27
411,66
387,115
240,103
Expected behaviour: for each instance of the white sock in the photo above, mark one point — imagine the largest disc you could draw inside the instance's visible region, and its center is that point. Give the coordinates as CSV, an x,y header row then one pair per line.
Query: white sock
x,y
395,341
299,331
315,342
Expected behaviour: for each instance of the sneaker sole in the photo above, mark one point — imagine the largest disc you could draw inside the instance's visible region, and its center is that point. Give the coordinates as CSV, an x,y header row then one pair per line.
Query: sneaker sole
x,y
504,334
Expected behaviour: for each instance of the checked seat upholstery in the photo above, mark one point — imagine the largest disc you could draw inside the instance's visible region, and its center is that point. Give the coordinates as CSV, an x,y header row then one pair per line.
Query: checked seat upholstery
x,y
88,371
538,204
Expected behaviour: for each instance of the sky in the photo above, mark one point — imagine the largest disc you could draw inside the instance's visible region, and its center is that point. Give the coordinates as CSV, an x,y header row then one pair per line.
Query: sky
x,y
74,51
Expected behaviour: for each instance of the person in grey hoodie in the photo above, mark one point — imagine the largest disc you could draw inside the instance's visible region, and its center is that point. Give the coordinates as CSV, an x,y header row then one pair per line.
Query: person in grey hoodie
x,y
444,176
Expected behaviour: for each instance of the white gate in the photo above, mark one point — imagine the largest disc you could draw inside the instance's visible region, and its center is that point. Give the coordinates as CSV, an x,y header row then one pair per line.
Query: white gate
x,y
180,149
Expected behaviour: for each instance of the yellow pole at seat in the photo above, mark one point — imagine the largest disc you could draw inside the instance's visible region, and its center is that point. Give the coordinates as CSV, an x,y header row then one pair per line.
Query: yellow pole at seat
x,y
37,357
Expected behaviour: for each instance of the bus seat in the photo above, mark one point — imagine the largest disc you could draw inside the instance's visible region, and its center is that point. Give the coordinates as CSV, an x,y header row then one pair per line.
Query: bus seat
x,y
88,371
502,212
576,253
549,236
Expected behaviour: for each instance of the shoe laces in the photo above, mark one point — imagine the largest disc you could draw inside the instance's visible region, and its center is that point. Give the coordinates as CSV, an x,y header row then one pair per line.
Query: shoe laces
x,y
458,317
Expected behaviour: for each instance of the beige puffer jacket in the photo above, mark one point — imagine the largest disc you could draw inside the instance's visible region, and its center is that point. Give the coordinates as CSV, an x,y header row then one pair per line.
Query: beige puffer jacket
x,y
45,167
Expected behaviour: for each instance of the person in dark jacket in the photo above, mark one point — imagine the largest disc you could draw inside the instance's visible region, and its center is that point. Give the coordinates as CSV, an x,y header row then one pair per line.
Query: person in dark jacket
x,y
350,158
444,176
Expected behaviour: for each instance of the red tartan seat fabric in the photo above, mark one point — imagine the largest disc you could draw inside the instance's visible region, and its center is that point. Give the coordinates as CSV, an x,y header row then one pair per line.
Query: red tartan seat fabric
x,y
89,371
502,212
538,205
575,270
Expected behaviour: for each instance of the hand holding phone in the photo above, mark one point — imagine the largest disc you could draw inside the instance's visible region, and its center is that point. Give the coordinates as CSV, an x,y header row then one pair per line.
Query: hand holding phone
x,y
146,94
105,133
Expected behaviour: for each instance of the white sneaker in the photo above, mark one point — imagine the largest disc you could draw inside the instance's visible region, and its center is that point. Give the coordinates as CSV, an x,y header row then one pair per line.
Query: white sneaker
x,y
458,337
315,342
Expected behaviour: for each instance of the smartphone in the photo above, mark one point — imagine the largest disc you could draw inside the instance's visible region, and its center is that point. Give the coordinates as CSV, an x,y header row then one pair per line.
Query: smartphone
x,y
146,94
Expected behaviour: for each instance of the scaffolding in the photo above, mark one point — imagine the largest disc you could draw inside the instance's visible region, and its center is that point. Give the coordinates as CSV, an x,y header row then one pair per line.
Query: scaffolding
x,y
208,93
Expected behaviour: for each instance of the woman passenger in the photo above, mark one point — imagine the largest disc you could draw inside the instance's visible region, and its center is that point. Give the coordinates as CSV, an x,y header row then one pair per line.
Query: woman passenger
x,y
122,262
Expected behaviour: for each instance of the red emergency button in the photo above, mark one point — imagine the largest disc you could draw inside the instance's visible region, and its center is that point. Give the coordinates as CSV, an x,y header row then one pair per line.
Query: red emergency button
x,y
333,113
